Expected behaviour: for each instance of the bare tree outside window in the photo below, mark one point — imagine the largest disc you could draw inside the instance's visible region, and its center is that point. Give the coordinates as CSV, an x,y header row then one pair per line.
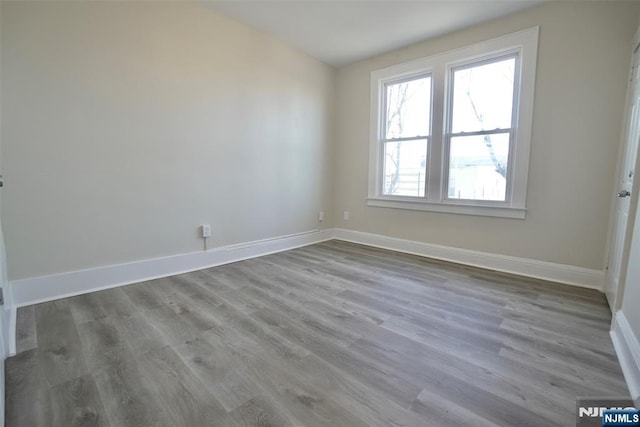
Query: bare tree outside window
x,y
500,168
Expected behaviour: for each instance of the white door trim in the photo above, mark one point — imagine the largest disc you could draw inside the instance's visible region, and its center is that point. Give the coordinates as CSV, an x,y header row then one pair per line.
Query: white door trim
x,y
628,351
612,229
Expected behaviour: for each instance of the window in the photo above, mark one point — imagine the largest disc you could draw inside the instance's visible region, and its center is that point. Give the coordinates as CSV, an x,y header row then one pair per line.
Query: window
x,y
451,132
480,129
406,135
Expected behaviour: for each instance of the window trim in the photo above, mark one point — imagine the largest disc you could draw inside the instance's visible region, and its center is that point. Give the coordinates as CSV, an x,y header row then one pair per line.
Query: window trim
x,y
525,45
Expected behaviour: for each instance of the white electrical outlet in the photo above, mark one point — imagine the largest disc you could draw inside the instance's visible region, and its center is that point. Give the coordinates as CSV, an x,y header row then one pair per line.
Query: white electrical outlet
x,y
346,216
320,216
206,230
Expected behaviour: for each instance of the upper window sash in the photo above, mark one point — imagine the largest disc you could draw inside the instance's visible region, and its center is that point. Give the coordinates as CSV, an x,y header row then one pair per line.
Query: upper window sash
x,y
452,68
385,106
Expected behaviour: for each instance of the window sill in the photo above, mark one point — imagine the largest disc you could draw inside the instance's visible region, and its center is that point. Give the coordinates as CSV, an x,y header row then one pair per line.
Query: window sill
x,y
421,205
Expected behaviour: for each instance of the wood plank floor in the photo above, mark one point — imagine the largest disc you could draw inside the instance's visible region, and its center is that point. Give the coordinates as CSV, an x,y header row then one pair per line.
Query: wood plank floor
x,y
333,334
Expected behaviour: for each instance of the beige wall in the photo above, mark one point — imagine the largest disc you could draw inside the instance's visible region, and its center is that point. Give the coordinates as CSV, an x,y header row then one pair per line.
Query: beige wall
x,y
583,61
126,125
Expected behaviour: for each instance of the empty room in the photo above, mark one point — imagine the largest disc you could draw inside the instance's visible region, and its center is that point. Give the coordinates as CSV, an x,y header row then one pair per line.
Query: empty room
x,y
319,213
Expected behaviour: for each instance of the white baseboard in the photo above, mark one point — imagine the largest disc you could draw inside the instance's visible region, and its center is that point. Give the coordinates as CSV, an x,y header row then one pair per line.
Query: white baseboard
x,y
10,318
46,288
627,348
9,310
561,273
35,290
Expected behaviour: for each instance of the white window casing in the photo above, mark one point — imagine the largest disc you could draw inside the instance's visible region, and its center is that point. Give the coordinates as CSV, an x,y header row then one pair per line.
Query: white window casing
x,y
522,45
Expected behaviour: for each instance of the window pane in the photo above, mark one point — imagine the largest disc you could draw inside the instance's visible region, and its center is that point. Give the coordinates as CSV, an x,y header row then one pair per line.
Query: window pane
x,y
483,96
407,108
478,167
405,168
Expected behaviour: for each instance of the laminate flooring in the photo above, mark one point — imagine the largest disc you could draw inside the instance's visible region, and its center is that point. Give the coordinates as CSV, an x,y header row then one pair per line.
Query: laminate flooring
x,y
332,334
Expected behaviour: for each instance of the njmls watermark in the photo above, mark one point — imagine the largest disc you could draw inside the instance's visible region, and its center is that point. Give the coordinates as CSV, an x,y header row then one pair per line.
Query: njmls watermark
x,y
606,412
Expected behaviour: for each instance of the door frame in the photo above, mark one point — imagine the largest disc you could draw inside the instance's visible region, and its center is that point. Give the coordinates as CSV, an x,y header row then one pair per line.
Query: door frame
x,y
635,191
9,311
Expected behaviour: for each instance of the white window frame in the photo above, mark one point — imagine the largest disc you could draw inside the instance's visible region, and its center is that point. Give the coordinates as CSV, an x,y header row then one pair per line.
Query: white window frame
x,y
524,44
383,129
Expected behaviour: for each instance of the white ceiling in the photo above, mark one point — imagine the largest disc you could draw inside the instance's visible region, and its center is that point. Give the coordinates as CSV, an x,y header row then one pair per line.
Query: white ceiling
x,y
340,32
